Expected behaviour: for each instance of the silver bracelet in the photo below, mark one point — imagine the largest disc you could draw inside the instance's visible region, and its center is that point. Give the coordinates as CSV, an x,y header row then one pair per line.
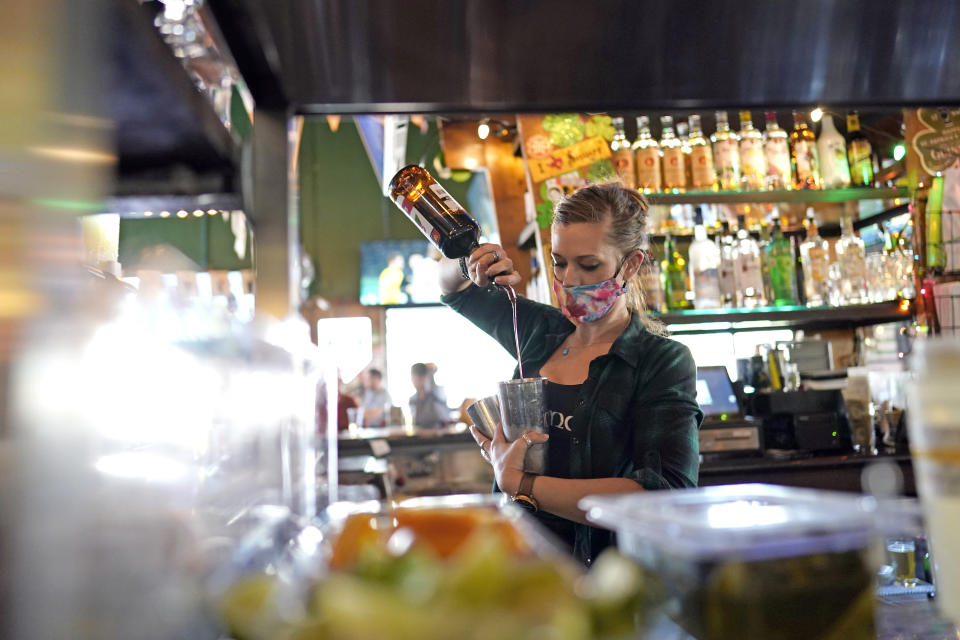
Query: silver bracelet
x,y
463,268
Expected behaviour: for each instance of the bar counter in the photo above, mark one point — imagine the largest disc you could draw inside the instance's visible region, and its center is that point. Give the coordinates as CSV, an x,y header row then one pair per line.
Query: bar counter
x,y
837,472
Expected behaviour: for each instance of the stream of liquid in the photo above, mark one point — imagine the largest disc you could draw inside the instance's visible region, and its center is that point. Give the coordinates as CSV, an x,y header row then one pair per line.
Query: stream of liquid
x,y
512,296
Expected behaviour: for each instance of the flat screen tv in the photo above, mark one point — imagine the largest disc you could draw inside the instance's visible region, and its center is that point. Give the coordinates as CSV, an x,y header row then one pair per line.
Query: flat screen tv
x,y
394,272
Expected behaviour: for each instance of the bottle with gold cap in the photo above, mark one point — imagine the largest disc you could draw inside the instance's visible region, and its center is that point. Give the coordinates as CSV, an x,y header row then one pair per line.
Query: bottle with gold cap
x,y
646,158
726,154
753,165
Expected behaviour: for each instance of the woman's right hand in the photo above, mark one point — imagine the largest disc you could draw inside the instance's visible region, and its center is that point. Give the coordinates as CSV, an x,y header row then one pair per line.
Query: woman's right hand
x,y
489,262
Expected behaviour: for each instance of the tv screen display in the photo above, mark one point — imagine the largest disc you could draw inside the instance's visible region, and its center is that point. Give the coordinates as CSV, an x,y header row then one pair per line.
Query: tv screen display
x,y
398,272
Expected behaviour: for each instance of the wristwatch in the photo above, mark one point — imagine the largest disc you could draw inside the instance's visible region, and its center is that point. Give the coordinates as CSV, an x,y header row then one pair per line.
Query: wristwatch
x,y
463,268
524,495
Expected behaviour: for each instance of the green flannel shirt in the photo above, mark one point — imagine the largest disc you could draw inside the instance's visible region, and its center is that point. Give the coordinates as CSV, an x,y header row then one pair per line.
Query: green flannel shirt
x,y
638,402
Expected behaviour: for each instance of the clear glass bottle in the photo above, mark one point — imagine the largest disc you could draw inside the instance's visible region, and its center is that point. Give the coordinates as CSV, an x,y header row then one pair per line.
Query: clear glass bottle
x,y
803,154
622,155
765,267
834,170
726,154
728,266
703,177
783,285
704,267
750,291
776,152
851,258
674,165
753,165
675,284
651,281
646,158
859,153
815,258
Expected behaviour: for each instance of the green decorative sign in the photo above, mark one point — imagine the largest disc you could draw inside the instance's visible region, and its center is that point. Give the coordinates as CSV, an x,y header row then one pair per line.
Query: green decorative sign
x,y
937,142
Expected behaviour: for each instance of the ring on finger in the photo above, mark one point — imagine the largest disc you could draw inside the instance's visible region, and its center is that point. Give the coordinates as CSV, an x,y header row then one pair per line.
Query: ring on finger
x,y
527,439
496,256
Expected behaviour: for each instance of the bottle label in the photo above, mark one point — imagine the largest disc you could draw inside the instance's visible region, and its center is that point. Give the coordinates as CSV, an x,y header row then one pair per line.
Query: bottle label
x,y
648,168
854,266
806,160
622,160
750,276
728,279
861,163
674,170
445,198
701,166
818,264
727,159
706,286
751,157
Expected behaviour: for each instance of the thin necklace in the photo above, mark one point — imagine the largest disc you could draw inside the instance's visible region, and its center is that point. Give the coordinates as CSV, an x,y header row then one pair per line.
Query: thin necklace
x,y
566,350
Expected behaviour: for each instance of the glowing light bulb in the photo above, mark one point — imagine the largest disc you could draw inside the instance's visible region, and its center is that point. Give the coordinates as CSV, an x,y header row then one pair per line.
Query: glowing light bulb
x,y
899,151
816,114
483,131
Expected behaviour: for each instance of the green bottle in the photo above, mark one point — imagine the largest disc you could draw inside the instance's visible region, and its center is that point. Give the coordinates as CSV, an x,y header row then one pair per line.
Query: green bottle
x,y
675,285
783,286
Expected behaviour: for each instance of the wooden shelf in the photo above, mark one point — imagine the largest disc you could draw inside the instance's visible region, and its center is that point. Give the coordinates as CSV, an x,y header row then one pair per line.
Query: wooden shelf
x,y
809,318
799,195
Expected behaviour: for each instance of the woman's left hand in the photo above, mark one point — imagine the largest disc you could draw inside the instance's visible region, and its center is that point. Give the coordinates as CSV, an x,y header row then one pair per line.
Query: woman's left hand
x,y
506,458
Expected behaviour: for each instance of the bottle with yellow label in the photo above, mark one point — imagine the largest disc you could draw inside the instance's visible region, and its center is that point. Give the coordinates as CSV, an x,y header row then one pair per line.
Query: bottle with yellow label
x,y
646,158
674,167
753,164
859,153
803,154
815,258
703,177
726,154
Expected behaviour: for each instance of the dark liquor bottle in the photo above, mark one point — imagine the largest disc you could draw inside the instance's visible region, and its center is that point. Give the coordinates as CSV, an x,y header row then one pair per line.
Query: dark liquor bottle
x,y
859,153
441,218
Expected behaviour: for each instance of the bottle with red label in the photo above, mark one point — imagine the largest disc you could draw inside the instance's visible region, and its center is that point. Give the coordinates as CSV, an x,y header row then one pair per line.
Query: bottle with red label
x,y
441,218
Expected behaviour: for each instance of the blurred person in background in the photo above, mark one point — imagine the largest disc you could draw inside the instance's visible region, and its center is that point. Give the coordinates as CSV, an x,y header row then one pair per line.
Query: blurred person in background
x,y
391,281
428,405
376,399
344,401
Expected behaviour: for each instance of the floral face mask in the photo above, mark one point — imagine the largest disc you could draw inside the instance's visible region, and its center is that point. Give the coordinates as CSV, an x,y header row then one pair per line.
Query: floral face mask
x,y
589,302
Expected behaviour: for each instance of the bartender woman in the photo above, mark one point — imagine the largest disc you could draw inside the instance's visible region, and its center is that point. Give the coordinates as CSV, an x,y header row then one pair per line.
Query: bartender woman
x,y
620,395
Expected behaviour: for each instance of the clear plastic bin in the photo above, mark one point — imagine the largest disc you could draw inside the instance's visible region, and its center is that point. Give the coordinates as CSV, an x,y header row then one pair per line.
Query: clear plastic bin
x,y
752,560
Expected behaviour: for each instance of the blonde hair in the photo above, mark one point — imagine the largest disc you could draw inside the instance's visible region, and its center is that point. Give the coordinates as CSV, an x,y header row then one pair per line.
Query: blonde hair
x,y
626,210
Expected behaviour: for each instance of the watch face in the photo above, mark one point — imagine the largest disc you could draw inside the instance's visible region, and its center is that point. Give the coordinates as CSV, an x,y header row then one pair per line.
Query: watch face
x,y
526,502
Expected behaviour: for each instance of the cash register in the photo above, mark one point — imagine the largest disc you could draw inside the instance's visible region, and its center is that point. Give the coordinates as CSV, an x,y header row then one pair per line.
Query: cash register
x,y
725,431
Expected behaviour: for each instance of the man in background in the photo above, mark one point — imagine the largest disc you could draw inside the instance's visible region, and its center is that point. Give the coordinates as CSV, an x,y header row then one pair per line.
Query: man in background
x,y
376,399
391,281
428,406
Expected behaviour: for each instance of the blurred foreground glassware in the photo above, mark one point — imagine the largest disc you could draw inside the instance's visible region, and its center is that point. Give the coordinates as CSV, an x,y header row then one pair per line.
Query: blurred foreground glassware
x,y
934,427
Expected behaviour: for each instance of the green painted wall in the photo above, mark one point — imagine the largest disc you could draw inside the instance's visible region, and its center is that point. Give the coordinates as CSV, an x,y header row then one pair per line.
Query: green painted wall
x,y
207,241
341,205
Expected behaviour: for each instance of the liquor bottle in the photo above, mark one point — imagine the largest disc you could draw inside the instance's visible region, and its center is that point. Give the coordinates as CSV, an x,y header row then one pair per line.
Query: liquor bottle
x,y
753,166
675,285
704,267
798,269
851,258
622,155
776,152
750,292
646,157
440,218
726,154
674,168
834,170
783,286
803,154
651,282
815,257
859,152
702,175
765,260
728,266
683,135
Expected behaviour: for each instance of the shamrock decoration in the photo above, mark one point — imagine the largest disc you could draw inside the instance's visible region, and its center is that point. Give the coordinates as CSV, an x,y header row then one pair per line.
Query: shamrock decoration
x,y
600,171
565,129
601,127
544,214
938,144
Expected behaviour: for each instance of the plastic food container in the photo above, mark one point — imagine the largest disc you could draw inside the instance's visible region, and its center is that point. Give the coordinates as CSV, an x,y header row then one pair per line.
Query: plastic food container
x,y
457,567
752,560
